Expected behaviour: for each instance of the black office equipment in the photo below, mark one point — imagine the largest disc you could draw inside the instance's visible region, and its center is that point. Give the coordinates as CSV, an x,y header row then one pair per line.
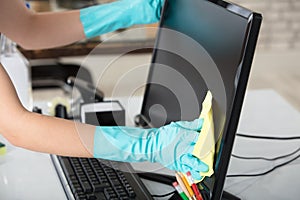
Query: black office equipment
x,y
91,178
62,76
105,113
202,45
61,111
88,91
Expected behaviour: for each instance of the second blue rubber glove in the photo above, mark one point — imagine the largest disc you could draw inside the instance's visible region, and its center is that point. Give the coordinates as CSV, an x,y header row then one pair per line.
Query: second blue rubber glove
x,y
100,19
171,145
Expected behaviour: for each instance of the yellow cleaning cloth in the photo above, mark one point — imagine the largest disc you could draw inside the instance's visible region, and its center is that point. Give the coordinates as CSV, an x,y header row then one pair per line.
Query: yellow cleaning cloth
x,y
205,146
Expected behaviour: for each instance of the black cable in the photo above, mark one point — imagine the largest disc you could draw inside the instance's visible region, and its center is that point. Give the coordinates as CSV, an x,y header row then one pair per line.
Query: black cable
x,y
263,173
163,195
264,158
160,178
268,137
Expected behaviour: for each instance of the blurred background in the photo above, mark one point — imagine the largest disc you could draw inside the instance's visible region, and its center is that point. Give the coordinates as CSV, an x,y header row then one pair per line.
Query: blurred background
x,y
118,65
276,62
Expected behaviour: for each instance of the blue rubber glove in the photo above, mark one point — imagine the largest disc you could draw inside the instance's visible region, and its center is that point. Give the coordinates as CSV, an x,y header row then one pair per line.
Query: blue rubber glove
x,y
171,145
100,19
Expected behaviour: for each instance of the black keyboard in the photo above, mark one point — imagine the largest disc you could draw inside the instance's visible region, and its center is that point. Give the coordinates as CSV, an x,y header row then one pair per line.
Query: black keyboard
x,y
90,178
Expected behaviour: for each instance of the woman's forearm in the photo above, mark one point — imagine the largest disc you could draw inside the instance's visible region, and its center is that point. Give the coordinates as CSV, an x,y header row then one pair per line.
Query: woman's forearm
x,y
54,135
40,133
39,30
52,29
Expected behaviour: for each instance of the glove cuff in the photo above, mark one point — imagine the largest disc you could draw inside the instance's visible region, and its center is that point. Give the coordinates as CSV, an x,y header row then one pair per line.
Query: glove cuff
x,y
127,144
104,18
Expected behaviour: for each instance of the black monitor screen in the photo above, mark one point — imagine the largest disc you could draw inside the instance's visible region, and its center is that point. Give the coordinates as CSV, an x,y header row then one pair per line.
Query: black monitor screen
x,y
200,46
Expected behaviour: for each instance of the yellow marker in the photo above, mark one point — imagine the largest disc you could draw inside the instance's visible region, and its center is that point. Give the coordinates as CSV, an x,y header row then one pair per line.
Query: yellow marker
x,y
2,149
184,189
186,183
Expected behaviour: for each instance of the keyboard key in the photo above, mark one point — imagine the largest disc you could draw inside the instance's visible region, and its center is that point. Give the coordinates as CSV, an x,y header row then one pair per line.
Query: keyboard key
x,y
122,194
103,179
100,187
100,196
86,187
67,167
115,182
91,197
124,198
80,196
76,188
72,177
119,188
110,193
131,194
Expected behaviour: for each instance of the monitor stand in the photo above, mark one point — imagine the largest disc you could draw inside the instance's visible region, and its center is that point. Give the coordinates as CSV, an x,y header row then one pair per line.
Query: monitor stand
x,y
228,196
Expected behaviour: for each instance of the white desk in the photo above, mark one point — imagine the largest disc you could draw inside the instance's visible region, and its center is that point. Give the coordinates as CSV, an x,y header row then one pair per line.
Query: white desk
x,y
30,175
266,113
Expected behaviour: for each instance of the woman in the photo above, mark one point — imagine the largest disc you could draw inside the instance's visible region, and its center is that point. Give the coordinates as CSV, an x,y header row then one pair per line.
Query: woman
x,y
171,145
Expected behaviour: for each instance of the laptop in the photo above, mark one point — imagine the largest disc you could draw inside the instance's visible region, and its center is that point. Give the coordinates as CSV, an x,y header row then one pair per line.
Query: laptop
x,y
202,45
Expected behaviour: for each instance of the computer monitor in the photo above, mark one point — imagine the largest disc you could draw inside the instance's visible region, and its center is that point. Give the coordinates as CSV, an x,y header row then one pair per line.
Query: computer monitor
x,y
202,45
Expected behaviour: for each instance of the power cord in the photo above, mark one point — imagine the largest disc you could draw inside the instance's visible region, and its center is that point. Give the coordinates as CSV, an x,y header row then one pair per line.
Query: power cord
x,y
264,158
266,172
160,178
267,137
163,195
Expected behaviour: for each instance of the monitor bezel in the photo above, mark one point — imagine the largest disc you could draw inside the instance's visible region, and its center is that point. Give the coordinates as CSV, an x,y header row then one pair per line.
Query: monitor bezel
x,y
254,22
238,99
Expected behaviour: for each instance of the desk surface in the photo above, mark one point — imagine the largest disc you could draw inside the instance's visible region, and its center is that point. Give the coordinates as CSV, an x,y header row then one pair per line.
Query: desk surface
x,y
91,47
268,114
30,175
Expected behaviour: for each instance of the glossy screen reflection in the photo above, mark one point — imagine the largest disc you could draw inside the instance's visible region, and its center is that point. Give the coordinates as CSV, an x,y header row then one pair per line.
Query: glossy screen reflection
x,y
199,47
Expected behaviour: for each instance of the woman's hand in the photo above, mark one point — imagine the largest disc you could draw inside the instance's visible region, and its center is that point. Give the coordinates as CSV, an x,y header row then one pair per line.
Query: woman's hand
x,y
174,145
105,18
171,145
